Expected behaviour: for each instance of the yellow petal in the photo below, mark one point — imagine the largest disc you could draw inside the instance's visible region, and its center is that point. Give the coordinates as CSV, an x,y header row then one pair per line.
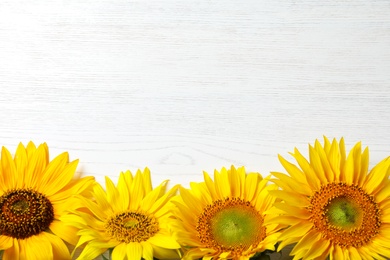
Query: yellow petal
x,y
318,248
37,164
124,191
328,171
90,252
333,155
147,183
357,158
101,198
292,169
342,157
94,208
291,198
13,252
348,170
338,252
297,212
134,251
113,195
163,253
364,164
310,174
150,199
235,181
54,169
354,254
378,174
60,250
315,162
36,248
5,242
296,231
21,163
61,179
210,186
158,207
137,191
147,251
164,241
291,184
383,193
67,233
9,169
251,185
222,184
120,252
79,186
193,203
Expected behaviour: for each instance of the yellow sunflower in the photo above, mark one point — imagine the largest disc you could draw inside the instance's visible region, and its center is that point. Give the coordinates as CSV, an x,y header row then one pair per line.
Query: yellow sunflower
x,y
334,207
34,194
225,219
131,219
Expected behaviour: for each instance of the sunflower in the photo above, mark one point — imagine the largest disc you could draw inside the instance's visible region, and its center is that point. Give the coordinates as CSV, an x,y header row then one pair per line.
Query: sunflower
x,y
225,219
130,220
34,194
333,205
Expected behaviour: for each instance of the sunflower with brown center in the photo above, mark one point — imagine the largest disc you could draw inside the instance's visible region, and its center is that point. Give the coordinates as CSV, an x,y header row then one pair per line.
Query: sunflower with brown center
x,y
131,219
34,194
225,218
333,205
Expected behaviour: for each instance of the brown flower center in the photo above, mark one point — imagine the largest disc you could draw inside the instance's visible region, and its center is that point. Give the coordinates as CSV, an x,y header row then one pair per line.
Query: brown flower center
x,y
345,214
232,225
24,213
131,227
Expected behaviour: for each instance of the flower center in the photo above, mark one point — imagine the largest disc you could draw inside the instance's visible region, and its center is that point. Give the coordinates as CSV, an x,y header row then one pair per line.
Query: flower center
x,y
345,214
24,213
131,227
231,225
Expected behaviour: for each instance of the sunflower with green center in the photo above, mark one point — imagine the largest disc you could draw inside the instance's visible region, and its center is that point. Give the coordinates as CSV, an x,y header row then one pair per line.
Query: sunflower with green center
x,y
224,218
130,219
333,205
34,193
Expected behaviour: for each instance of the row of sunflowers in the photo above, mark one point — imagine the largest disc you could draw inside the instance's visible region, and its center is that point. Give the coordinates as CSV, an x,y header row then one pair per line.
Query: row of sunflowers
x,y
327,206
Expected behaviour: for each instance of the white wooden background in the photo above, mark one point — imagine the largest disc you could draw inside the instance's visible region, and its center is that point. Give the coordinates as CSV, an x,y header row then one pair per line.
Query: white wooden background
x,y
187,86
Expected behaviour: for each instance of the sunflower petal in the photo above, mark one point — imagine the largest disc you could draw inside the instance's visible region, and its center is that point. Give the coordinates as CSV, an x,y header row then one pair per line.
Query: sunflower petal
x,y
36,248
67,233
90,252
13,252
164,241
9,169
222,184
134,251
147,251
60,250
120,252
5,242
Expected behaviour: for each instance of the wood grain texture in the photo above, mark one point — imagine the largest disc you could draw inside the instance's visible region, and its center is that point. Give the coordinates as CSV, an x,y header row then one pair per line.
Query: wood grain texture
x,y
187,86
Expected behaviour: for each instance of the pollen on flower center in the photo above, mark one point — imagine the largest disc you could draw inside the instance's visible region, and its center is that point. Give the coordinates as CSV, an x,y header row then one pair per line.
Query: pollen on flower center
x,y
345,214
24,213
131,227
231,225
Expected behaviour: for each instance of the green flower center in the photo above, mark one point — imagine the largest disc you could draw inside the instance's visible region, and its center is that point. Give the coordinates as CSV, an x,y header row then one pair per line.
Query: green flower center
x,y
231,225
234,225
344,213
24,213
